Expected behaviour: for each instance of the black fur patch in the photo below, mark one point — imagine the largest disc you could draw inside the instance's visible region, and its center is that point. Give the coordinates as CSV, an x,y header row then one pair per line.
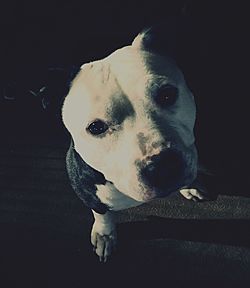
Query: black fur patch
x,y
173,37
83,179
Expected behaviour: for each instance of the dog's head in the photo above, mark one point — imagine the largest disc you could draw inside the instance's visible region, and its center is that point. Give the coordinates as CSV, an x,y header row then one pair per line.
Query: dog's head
x,y
131,117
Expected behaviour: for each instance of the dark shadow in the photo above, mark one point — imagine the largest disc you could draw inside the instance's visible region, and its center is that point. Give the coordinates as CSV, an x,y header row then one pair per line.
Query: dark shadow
x,y
224,231
40,257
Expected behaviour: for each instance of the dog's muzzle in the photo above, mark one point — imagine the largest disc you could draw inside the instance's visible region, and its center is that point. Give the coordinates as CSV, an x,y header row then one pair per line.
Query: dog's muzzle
x,y
163,172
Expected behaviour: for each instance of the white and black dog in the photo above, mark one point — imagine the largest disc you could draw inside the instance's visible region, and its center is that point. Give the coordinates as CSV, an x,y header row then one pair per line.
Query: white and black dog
x,y
131,117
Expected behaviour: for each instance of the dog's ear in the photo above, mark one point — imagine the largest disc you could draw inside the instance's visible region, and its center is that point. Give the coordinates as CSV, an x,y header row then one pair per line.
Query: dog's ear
x,y
173,37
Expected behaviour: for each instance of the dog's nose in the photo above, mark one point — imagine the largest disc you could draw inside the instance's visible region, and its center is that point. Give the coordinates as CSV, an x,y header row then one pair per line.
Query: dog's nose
x,y
165,170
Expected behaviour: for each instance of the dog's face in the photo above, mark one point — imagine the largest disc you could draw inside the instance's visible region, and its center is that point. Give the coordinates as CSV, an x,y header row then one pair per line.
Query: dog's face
x,y
131,117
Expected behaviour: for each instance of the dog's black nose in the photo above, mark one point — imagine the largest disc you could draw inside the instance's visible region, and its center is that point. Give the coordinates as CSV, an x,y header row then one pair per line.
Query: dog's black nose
x,y
165,170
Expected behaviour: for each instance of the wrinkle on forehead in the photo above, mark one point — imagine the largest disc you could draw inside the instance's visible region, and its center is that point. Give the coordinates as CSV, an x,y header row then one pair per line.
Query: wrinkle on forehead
x,y
98,78
128,66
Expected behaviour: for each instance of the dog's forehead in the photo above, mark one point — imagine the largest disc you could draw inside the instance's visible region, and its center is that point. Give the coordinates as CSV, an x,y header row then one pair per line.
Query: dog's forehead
x,y
107,86
127,71
121,72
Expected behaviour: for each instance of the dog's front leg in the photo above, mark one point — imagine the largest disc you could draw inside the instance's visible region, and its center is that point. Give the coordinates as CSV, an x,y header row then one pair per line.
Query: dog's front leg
x,y
103,235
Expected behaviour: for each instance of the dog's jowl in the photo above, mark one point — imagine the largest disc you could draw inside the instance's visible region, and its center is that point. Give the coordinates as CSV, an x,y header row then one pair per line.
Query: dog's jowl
x,y
131,117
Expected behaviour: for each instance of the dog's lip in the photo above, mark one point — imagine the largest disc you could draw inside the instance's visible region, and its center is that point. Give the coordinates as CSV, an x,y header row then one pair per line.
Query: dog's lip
x,y
149,193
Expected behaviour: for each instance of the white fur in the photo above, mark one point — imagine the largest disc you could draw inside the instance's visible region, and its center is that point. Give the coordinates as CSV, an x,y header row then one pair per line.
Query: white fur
x,y
124,75
103,235
116,200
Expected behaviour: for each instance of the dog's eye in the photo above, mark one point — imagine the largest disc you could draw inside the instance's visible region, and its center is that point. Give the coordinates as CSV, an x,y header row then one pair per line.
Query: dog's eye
x,y
97,127
166,96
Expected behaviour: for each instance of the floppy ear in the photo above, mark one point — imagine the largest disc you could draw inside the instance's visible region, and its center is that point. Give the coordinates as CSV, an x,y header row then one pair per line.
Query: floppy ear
x,y
173,37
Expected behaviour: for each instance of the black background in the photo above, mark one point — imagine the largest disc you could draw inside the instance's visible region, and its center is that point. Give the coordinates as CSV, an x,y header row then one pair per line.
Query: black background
x,y
38,35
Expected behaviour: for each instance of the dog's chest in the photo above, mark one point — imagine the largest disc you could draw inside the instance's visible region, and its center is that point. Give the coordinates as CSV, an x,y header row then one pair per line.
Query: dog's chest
x,y
109,195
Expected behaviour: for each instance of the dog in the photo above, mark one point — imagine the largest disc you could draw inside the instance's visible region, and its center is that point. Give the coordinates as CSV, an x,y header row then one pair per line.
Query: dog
x,y
131,118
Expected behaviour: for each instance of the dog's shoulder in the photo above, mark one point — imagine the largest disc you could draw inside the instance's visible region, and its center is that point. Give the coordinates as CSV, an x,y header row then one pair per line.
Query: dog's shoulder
x,y
84,179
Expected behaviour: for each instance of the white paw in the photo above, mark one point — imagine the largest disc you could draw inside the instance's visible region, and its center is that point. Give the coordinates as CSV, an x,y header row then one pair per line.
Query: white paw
x,y
194,194
103,244
103,235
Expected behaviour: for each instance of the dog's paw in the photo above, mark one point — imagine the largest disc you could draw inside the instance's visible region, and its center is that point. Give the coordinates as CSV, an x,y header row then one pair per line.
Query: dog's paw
x,y
103,244
194,194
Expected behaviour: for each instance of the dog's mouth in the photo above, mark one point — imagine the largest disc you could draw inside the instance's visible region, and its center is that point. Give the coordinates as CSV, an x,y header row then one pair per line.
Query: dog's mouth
x,y
163,174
